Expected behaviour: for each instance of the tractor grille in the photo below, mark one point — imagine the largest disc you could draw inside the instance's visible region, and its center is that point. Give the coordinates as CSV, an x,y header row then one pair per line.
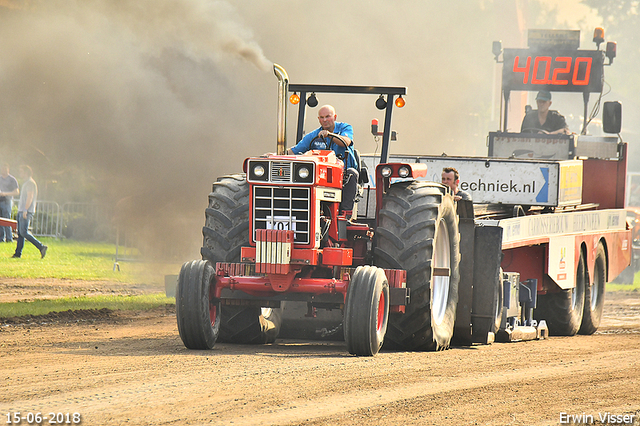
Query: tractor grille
x,y
284,209
281,171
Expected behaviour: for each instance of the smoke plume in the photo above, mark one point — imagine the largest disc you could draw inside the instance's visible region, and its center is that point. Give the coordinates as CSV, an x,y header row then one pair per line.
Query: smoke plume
x,y
135,102
144,103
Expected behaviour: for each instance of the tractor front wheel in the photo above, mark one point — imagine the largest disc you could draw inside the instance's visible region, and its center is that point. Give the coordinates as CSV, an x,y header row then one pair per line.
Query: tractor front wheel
x,y
198,315
366,311
225,232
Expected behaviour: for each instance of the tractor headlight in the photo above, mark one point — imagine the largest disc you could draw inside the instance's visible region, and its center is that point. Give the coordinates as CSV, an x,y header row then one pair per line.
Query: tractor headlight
x,y
386,171
303,173
403,171
259,170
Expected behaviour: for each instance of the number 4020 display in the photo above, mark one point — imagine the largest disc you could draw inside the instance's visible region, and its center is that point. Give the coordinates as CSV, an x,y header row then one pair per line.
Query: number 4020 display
x,y
575,70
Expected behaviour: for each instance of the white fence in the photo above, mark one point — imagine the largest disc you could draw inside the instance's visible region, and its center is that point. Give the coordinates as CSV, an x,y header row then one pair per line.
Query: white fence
x,y
83,221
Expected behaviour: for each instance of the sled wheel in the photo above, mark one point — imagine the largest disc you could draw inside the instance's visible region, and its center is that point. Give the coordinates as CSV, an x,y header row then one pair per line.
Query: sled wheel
x,y
563,310
594,294
366,311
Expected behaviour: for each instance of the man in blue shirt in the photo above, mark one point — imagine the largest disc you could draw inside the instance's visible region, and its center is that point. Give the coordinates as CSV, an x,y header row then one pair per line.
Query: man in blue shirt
x,y
337,136
8,190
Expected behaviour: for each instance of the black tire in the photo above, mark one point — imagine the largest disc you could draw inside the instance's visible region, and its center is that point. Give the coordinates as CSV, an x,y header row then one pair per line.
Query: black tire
x,y
487,303
418,229
594,294
366,311
499,303
226,228
563,310
198,317
225,232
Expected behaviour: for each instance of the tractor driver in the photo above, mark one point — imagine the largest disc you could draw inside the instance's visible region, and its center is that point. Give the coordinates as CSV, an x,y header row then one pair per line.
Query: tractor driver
x,y
337,136
544,120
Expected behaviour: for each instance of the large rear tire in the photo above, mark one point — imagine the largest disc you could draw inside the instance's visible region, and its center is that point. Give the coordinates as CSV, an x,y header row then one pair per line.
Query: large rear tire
x,y
198,316
594,294
418,232
366,311
563,310
225,232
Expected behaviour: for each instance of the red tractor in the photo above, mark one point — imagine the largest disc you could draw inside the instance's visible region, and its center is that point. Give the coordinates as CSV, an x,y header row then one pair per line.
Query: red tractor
x,y
276,234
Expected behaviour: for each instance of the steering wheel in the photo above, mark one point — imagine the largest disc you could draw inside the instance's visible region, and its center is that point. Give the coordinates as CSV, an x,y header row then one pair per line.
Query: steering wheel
x,y
317,138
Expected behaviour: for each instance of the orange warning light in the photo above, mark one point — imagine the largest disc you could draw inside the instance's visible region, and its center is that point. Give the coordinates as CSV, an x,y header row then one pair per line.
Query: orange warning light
x,y
294,99
598,35
400,102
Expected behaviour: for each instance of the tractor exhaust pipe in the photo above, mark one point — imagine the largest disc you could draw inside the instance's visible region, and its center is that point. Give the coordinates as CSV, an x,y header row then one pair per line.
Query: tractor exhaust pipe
x,y
283,89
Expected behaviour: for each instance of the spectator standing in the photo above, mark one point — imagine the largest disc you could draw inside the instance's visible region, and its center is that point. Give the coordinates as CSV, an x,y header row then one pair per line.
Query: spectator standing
x,y
8,190
26,210
451,178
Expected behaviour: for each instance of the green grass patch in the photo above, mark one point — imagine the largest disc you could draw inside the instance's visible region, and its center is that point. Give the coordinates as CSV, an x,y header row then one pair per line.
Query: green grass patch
x,y
626,287
75,260
43,307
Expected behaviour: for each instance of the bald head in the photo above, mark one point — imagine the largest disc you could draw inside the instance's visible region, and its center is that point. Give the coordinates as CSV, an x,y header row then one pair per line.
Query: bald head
x,y
327,117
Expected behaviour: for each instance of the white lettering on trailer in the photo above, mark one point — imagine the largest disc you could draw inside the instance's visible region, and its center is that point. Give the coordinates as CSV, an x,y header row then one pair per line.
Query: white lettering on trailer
x,y
530,147
545,225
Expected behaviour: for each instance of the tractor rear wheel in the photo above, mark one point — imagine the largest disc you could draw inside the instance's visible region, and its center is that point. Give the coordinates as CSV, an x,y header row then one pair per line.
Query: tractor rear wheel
x,y
366,311
418,232
594,294
198,316
225,232
563,310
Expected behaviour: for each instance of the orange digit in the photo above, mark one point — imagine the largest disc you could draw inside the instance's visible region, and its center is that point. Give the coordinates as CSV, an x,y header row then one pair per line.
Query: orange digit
x,y
536,63
566,70
525,69
587,73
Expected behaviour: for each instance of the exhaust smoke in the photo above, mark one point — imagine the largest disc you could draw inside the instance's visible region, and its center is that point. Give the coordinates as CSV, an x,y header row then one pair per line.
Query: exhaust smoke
x,y
133,102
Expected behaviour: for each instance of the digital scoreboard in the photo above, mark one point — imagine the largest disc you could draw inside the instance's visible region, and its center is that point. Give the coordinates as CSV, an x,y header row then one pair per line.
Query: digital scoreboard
x,y
553,70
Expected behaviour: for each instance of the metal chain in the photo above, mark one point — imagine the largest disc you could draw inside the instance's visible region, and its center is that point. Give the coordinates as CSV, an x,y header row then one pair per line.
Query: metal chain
x,y
323,332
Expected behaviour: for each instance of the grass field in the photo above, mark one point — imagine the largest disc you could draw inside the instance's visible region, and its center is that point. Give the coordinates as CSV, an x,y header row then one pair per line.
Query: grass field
x,y
75,260
42,307
67,259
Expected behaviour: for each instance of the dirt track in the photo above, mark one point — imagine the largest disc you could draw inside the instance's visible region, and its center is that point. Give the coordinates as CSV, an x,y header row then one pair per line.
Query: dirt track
x,y
131,368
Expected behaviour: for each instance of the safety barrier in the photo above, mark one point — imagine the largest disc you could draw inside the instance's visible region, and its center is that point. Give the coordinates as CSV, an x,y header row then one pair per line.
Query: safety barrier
x,y
87,221
46,221
81,221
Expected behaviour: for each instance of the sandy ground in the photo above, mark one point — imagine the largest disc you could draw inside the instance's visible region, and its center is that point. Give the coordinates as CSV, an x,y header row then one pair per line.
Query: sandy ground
x,y
131,368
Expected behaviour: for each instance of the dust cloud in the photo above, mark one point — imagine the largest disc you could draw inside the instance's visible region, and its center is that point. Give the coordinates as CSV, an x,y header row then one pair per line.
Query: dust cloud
x,y
146,102
134,103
